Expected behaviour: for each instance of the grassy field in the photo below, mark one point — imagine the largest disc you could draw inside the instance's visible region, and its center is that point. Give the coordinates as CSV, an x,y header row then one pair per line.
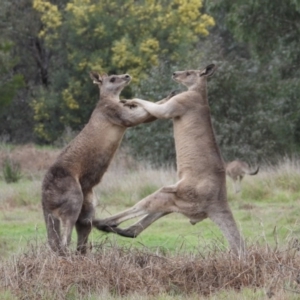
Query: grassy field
x,y
267,212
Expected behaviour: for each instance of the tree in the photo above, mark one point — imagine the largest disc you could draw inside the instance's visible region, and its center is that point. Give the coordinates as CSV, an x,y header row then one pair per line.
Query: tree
x,y
9,82
154,141
109,36
270,33
29,59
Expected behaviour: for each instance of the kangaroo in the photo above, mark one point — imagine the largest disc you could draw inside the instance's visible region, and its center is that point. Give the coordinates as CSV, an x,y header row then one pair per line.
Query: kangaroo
x,y
201,190
67,188
236,170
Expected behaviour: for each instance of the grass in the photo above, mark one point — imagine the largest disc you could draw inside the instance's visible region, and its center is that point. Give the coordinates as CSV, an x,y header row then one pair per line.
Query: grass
x,y
26,192
267,212
19,226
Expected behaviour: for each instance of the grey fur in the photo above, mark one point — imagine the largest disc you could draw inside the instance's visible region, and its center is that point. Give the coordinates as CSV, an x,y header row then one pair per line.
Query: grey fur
x,y
67,189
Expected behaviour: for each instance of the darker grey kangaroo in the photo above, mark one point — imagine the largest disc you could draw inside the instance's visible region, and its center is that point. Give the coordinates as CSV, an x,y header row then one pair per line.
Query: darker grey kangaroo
x,y
67,189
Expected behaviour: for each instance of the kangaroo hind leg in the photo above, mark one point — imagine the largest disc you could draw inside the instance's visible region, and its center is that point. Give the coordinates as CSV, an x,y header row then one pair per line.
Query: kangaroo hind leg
x,y
225,221
153,206
53,231
68,213
84,222
135,229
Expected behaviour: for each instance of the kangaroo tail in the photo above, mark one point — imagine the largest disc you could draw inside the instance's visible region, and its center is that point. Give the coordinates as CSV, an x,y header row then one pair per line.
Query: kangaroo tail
x,y
254,172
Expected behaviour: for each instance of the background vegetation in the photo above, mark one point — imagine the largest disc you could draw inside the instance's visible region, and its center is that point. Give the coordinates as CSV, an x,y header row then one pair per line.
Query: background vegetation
x,y
47,49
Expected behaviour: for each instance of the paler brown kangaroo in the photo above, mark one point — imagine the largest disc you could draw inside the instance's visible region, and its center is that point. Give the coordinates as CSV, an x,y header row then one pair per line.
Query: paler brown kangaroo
x,y
236,170
201,189
67,188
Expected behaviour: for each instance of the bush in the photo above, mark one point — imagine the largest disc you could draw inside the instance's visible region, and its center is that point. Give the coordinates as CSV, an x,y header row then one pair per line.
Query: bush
x,y
11,171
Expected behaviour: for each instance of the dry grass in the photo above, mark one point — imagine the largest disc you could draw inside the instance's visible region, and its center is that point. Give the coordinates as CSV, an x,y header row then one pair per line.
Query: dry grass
x,y
32,160
39,274
126,186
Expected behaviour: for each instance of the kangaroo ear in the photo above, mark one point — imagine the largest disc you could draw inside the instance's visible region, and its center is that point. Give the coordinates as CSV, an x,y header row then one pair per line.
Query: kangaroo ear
x,y
208,71
96,77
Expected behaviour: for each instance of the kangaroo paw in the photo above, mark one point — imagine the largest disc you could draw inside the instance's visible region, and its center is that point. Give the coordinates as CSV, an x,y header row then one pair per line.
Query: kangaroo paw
x,y
100,225
125,232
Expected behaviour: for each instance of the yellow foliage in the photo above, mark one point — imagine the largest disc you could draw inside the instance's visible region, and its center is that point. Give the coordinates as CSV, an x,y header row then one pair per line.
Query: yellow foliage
x,y
96,65
138,47
40,131
201,27
69,100
82,65
50,16
149,45
40,111
40,115
99,31
121,53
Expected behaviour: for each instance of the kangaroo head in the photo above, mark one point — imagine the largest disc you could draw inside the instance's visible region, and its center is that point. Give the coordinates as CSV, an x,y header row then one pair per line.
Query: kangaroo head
x,y
192,78
112,84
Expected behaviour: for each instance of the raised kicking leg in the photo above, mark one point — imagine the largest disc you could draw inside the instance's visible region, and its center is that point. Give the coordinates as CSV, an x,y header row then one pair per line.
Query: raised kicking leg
x,y
153,206
135,229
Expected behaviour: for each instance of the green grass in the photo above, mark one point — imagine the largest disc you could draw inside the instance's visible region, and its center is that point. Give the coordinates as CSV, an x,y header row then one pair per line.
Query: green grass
x,y
26,192
7,295
265,212
18,227
264,222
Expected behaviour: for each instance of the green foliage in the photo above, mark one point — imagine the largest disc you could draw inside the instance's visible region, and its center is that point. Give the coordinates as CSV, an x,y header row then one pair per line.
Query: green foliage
x,y
19,26
272,23
254,118
267,77
11,171
9,82
236,110
154,141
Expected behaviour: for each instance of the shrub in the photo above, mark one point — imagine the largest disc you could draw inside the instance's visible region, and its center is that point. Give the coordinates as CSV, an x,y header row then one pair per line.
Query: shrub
x,y
11,171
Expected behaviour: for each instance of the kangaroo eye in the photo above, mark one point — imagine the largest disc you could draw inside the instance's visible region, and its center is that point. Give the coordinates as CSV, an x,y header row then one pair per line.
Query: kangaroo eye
x,y
113,79
188,73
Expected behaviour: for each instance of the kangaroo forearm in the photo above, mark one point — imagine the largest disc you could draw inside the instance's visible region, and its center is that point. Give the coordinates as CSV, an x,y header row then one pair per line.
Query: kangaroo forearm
x,y
154,109
152,118
163,100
